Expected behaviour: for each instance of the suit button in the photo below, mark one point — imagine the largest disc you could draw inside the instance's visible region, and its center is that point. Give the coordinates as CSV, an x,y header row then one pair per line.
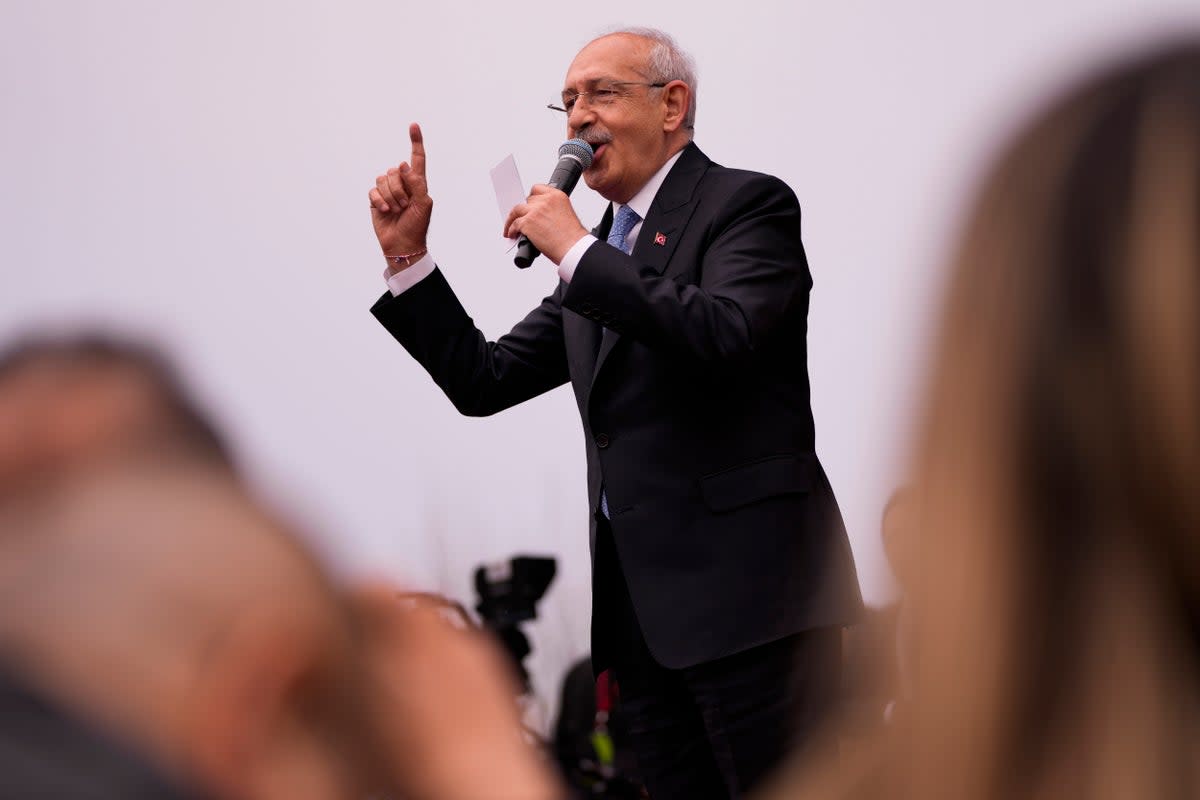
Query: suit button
x,y
602,440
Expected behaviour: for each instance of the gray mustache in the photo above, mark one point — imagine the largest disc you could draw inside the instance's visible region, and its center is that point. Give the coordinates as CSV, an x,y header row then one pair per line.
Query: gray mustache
x,y
594,138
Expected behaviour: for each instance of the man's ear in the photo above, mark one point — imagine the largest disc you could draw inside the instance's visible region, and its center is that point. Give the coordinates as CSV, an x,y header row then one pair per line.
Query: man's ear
x,y
243,700
677,98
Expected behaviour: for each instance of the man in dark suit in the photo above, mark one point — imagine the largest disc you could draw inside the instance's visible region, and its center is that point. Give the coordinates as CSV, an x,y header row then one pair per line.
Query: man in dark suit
x,y
721,569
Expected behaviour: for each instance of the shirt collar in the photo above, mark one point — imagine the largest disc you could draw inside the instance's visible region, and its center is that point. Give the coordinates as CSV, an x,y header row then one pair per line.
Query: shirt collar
x,y
641,201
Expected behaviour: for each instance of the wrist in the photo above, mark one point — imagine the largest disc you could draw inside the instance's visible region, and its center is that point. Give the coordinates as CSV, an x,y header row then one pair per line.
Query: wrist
x,y
565,244
403,258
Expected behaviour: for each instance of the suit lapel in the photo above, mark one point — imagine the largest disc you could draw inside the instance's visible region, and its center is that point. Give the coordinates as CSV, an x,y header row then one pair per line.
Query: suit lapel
x,y
601,230
663,226
591,332
670,211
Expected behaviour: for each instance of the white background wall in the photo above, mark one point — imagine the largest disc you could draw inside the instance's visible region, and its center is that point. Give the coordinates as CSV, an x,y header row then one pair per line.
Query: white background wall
x,y
197,172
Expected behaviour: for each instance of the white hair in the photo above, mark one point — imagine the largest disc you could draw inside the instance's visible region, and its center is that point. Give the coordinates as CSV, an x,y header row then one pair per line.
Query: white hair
x,y
667,62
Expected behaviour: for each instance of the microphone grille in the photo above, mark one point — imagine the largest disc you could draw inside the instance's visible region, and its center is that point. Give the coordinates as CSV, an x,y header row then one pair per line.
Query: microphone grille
x,y
578,148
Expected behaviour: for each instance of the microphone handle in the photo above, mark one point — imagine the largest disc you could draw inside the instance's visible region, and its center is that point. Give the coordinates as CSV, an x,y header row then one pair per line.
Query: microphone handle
x,y
526,253
564,177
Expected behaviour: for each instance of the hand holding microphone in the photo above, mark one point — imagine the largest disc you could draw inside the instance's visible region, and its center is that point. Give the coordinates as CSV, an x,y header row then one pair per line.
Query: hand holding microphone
x,y
547,216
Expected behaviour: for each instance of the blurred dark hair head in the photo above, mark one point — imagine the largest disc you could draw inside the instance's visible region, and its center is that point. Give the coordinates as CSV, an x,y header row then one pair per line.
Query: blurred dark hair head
x,y
72,400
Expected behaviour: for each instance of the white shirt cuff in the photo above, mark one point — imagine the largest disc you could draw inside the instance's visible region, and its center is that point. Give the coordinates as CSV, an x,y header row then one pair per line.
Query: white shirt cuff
x,y
400,281
566,267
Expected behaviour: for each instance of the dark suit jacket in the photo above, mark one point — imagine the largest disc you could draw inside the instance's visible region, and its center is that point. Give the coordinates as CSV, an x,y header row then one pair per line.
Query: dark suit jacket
x,y
695,407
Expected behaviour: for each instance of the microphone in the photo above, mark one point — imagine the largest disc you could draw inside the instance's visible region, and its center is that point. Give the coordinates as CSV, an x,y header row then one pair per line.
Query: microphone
x,y
574,156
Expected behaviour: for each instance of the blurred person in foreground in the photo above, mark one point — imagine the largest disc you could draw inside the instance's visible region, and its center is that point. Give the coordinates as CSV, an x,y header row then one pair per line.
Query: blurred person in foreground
x,y
160,634
1058,649
163,636
152,610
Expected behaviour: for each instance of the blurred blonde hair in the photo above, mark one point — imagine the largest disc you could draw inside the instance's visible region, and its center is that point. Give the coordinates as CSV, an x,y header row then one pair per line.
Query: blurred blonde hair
x,y
1059,469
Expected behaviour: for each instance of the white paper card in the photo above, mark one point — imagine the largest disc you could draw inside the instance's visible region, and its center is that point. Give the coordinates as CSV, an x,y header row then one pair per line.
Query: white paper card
x,y
509,191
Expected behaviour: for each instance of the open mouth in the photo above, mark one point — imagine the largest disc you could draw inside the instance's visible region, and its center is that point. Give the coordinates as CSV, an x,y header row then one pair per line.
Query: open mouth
x,y
597,149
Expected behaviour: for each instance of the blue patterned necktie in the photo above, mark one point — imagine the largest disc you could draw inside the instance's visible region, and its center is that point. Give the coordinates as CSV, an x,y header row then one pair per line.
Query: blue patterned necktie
x,y
623,223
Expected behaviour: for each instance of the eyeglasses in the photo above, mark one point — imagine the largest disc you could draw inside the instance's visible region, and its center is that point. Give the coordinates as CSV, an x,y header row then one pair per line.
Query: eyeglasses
x,y
600,96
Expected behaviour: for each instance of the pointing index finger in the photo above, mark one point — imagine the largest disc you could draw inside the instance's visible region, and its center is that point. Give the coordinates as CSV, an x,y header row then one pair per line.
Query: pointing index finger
x,y
418,148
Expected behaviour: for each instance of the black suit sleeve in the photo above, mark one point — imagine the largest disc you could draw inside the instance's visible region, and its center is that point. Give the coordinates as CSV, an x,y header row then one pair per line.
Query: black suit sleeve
x,y
479,377
752,274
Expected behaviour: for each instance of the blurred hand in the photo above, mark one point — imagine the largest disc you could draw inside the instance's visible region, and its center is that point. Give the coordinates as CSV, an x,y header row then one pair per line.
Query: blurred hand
x,y
444,706
400,203
548,219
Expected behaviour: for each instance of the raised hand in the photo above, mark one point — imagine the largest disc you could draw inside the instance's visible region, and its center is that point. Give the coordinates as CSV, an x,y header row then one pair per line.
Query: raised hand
x,y
400,203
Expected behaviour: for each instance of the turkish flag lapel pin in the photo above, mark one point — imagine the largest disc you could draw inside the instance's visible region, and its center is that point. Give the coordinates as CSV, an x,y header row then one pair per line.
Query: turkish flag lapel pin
x,y
660,239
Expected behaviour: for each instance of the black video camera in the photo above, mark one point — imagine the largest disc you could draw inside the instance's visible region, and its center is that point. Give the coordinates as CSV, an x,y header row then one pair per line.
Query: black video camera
x,y
508,595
